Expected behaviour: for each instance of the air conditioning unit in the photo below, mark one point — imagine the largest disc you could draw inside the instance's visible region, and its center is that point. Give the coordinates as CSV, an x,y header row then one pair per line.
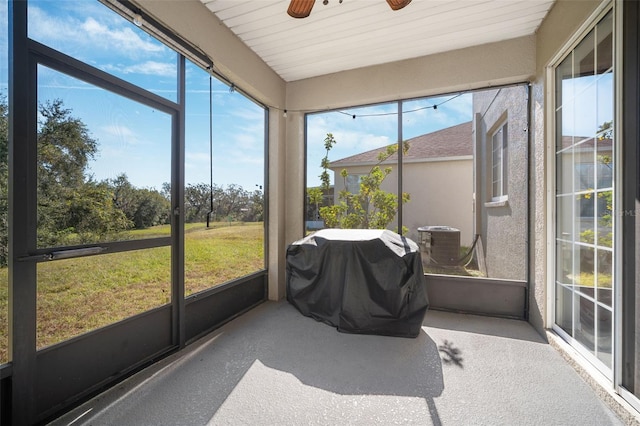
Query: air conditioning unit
x,y
439,245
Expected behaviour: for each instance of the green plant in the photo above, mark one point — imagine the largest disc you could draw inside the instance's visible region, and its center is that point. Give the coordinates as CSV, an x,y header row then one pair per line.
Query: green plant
x,y
371,207
315,198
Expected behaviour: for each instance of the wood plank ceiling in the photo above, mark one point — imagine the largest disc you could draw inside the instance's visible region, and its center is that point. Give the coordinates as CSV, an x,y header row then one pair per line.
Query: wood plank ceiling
x,y
358,33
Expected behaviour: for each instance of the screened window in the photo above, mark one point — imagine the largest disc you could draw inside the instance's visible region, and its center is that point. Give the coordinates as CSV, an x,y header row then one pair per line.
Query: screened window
x,y
224,183
111,235
434,184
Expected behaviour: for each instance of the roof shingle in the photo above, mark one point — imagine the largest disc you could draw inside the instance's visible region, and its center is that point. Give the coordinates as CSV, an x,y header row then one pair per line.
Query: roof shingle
x,y
453,141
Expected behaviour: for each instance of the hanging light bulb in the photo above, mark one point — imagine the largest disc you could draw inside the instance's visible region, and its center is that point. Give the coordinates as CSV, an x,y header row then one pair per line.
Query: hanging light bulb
x,y
284,114
137,20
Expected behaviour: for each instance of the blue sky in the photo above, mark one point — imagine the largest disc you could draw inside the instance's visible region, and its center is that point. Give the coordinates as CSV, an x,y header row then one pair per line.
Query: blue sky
x,y
133,138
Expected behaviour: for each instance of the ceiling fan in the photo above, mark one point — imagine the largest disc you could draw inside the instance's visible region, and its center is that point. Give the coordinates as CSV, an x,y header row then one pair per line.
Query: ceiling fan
x,y
302,8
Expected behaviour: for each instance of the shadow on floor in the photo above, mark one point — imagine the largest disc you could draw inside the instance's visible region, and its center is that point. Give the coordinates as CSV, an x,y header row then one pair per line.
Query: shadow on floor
x,y
251,367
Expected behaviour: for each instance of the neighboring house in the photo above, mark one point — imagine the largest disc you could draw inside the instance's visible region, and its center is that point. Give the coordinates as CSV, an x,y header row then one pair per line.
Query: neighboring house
x,y
470,177
437,174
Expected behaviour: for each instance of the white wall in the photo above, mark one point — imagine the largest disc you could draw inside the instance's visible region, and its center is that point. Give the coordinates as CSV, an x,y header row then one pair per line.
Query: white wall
x,y
481,66
441,194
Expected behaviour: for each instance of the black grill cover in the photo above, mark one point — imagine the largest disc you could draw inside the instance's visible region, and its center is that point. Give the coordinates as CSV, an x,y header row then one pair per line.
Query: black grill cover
x,y
359,280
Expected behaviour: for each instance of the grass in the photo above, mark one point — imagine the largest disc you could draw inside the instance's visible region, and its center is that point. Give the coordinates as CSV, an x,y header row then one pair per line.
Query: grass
x,y
78,295
468,270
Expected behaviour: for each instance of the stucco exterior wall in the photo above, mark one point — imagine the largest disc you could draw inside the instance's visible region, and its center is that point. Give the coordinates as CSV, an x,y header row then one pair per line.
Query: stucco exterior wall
x,y
441,194
503,226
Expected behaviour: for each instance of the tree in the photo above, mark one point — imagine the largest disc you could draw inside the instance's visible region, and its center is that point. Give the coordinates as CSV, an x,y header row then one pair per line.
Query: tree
x,y
196,202
152,209
72,208
230,201
64,148
315,195
371,207
142,207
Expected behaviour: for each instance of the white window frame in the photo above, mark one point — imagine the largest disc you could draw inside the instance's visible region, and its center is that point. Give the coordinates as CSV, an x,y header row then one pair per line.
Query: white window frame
x,y
500,143
613,381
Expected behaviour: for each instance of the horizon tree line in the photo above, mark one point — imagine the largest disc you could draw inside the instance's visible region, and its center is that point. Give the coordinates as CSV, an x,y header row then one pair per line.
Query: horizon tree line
x,y
75,208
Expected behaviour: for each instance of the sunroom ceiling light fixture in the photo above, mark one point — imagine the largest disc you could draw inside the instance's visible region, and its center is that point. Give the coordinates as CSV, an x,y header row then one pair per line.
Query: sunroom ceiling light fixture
x,y
302,8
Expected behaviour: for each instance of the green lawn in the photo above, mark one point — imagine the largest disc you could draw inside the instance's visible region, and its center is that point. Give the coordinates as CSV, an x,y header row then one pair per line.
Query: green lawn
x,y
79,295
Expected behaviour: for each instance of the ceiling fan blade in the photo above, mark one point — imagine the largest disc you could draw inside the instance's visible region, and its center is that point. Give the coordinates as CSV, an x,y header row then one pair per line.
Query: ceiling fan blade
x,y
398,4
301,8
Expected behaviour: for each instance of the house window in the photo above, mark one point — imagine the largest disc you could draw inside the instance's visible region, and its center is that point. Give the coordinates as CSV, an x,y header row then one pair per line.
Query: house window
x,y
499,164
584,196
352,183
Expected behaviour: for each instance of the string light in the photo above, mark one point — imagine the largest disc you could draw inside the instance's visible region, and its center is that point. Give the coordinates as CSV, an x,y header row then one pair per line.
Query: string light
x,y
232,89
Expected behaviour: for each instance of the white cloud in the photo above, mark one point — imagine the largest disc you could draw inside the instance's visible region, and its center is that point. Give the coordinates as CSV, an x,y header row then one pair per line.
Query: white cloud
x,y
89,35
162,69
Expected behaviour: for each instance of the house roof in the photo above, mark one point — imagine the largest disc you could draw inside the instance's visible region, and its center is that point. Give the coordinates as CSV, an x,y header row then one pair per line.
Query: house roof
x,y
455,141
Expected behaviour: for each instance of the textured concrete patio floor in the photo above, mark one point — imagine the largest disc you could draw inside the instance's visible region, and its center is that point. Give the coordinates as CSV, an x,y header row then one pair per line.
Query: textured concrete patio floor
x,y
272,366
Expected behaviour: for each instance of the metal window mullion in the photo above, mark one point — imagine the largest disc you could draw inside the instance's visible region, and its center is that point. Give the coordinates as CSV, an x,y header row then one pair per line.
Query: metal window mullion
x,y
573,206
177,218
22,302
400,164
626,182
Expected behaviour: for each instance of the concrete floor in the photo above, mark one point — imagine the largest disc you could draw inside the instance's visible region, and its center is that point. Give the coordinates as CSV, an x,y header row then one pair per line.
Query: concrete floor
x,y
273,366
